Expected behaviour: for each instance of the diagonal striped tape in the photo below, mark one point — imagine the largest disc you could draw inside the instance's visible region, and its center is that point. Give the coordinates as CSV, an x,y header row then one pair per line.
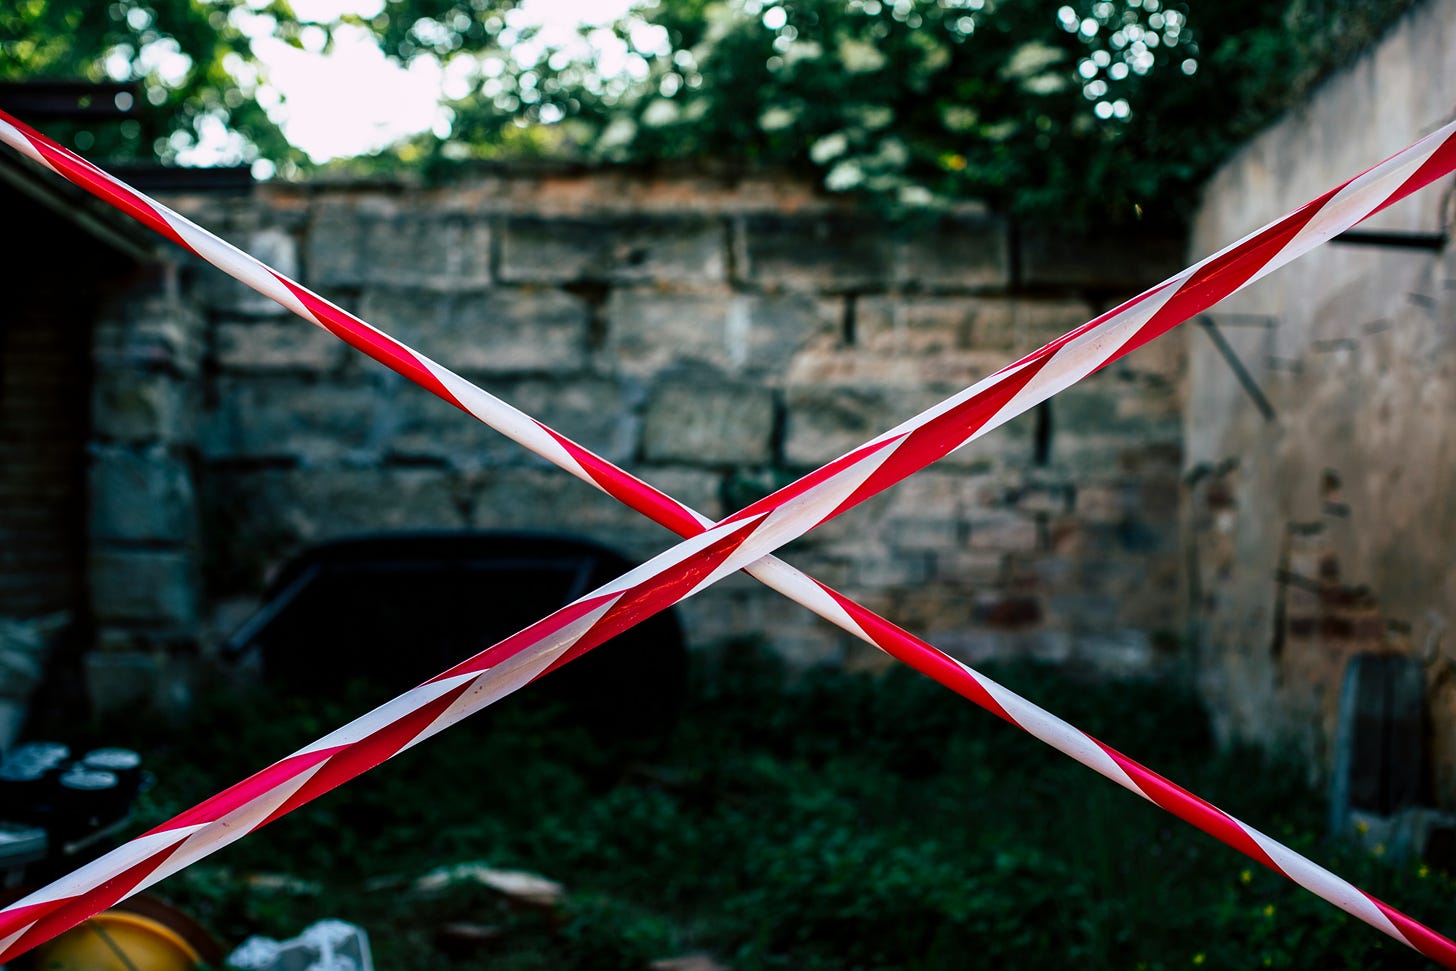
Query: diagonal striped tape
x,y
968,409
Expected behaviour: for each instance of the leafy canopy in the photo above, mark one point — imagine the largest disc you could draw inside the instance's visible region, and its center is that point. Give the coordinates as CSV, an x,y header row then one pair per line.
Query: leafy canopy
x,y
192,61
1094,110
1086,112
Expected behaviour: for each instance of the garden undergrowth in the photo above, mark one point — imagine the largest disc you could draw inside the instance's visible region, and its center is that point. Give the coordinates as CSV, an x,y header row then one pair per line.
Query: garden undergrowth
x,y
830,821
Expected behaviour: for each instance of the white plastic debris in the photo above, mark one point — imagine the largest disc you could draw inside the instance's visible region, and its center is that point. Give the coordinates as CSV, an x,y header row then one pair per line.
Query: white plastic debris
x,y
529,889
328,945
254,954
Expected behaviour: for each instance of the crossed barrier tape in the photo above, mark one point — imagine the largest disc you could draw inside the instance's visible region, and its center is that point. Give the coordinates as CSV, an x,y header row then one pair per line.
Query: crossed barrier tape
x,y
711,551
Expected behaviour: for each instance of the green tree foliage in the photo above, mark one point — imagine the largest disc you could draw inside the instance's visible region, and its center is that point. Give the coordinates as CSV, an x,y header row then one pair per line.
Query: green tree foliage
x,y
192,62
1085,112
1095,110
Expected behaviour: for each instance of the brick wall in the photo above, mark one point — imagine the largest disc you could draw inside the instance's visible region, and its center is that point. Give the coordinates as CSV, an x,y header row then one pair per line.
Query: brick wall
x,y
717,338
45,363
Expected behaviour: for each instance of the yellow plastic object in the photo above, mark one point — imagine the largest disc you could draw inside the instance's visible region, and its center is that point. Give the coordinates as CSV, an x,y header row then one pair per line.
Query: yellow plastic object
x,y
118,941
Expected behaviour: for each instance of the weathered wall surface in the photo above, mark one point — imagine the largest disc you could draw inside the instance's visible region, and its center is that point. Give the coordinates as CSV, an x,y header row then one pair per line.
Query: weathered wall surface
x,y
45,352
1331,528
717,339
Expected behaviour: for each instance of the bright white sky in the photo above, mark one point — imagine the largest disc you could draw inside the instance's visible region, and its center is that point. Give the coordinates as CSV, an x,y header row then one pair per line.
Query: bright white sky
x,y
354,101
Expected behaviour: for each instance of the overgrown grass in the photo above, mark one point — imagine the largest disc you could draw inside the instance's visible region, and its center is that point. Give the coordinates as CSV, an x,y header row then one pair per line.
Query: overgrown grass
x,y
844,822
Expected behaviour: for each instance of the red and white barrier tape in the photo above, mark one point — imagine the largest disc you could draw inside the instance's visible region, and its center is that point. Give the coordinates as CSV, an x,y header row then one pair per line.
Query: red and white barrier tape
x,y
720,550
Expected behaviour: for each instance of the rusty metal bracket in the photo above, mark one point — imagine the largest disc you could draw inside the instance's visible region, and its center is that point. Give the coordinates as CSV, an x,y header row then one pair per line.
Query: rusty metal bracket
x,y
1430,242
1261,401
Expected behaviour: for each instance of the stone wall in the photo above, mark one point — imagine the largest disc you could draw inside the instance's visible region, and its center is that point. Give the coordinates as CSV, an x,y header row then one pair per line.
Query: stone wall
x,y
718,338
1327,529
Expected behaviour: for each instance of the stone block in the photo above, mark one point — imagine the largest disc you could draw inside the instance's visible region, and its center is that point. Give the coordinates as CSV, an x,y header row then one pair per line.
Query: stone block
x,y
531,498
1008,611
239,216
1051,572
925,512
928,533
1002,530
1092,457
707,624
1106,503
358,246
1127,265
133,670
649,331
977,645
836,571
140,406
384,499
945,372
594,412
699,489
744,486
154,333
971,568
331,247
1118,569
895,571
1009,327
1082,610
967,252
259,516
1164,358
952,371
273,247
435,251
818,252
824,422
738,609
852,536
140,496
154,588
1050,496
623,249
780,325
121,681
294,418
706,424
941,490
543,499
1019,326
1102,427
424,430
1066,535
491,332
920,325
277,345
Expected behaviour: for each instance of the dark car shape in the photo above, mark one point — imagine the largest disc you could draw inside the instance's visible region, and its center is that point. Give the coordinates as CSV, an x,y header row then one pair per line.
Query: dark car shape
x,y
396,609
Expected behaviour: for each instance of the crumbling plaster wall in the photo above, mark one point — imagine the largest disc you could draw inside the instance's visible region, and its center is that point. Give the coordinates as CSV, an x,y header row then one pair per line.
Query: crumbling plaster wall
x,y
1330,528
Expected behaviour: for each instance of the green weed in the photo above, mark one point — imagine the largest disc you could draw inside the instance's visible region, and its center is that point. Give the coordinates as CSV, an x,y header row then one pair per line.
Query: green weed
x,y
840,822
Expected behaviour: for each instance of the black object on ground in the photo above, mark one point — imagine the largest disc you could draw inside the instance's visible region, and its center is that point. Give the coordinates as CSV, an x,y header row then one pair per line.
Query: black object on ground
x,y
396,609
